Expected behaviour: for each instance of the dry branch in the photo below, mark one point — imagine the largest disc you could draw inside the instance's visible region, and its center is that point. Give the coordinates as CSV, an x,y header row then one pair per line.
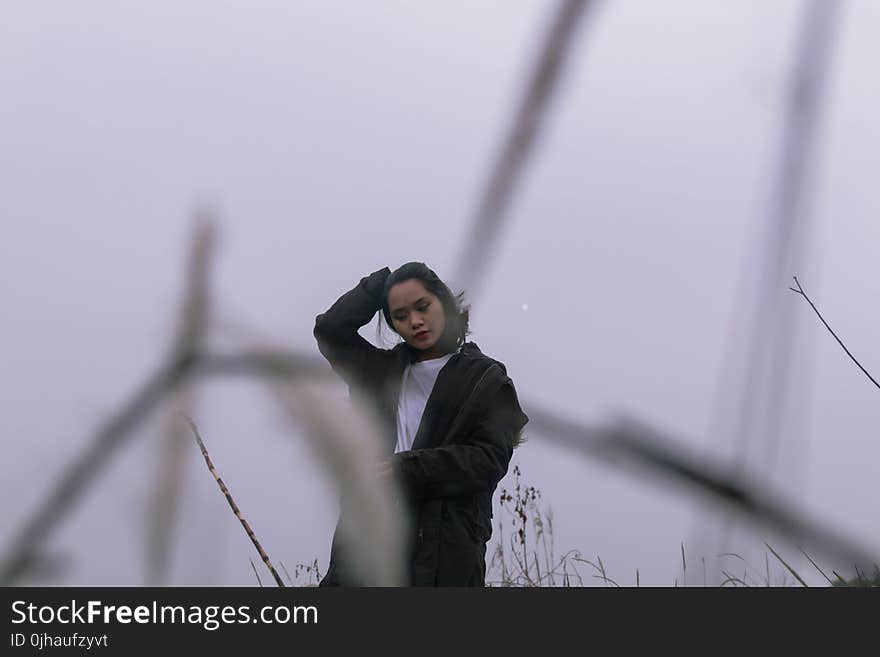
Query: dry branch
x,y
86,466
173,448
630,443
800,290
517,146
234,506
783,562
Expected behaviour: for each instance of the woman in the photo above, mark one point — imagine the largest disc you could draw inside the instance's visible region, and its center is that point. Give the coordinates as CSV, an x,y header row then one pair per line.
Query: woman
x,y
452,415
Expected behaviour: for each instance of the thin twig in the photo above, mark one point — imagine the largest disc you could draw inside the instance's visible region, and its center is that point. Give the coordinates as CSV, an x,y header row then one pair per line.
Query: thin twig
x,y
259,581
684,567
732,578
604,576
746,565
601,568
830,581
800,291
225,491
790,569
859,574
284,568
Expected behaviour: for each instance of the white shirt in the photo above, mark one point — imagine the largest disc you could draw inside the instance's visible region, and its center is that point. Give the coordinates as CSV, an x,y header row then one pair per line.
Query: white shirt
x,y
415,388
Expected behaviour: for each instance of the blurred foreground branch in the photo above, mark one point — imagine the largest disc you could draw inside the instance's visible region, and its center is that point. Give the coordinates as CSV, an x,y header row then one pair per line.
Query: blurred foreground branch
x,y
170,473
84,469
626,443
629,442
518,145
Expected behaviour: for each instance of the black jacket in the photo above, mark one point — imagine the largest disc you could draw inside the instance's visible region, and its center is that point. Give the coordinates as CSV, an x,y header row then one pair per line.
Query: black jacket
x,y
471,423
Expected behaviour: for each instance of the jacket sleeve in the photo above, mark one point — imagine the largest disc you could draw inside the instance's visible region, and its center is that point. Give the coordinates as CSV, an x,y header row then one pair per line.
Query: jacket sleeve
x,y
475,464
336,330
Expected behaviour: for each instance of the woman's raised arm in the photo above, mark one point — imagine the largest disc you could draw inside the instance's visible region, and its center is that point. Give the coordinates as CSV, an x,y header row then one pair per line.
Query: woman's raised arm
x,y
350,356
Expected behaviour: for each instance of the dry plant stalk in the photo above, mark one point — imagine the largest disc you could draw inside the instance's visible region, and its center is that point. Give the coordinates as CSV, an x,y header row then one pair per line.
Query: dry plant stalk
x,y
628,442
758,402
345,437
524,501
118,429
244,523
259,581
171,462
783,562
800,290
518,144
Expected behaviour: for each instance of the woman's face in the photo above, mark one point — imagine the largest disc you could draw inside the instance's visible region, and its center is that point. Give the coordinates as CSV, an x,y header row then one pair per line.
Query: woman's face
x,y
417,315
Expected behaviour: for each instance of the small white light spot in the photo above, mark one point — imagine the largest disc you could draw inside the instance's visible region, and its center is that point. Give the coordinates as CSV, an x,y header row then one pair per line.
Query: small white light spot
x,y
525,307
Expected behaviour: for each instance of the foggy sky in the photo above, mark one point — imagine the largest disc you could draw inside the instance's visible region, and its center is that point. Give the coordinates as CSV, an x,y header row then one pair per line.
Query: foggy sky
x,y
335,138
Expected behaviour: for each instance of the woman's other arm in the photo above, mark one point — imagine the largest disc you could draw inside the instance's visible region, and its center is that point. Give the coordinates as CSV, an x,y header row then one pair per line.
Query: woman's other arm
x,y
336,330
476,464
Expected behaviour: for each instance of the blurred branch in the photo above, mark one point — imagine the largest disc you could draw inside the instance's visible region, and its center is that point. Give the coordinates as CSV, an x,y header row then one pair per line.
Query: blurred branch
x,y
800,290
234,506
84,469
171,462
763,391
517,146
347,440
628,442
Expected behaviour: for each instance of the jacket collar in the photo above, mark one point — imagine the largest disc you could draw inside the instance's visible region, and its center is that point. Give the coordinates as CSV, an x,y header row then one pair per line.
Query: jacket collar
x,y
407,354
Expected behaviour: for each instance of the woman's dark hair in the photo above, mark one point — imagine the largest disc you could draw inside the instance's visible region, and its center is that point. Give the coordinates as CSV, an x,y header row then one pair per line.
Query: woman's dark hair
x,y
456,312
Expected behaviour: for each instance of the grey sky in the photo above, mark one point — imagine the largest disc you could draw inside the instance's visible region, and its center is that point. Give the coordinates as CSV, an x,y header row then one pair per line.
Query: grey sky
x,y
335,138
